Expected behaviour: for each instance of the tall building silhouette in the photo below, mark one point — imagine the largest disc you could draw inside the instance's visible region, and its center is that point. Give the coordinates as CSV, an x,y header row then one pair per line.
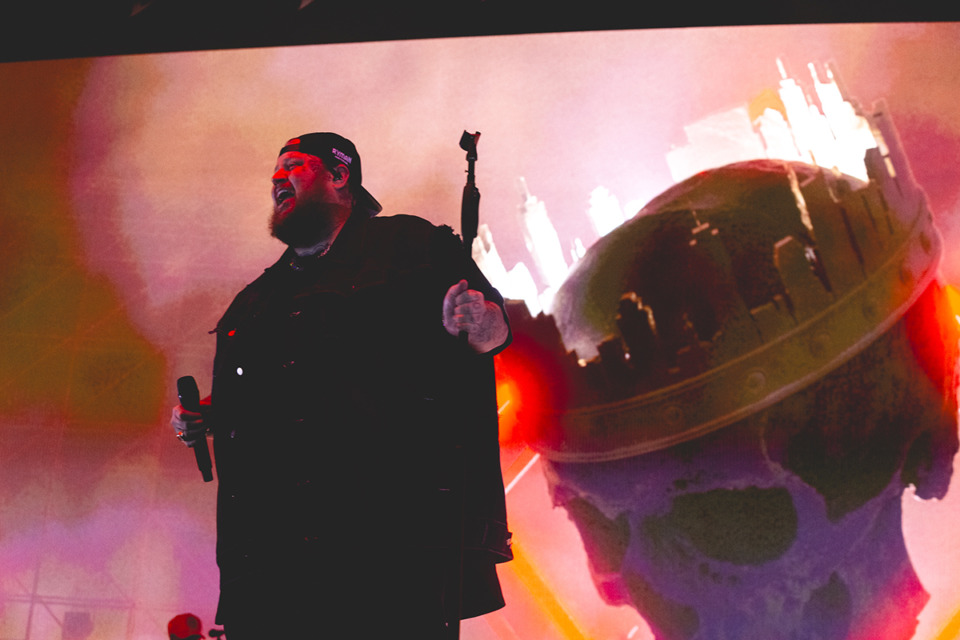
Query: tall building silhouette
x,y
542,241
515,284
605,212
822,127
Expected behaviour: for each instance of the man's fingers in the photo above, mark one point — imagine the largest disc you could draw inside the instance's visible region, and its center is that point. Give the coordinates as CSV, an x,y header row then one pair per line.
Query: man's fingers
x,y
188,425
190,437
453,311
183,419
468,297
464,324
453,293
470,308
468,319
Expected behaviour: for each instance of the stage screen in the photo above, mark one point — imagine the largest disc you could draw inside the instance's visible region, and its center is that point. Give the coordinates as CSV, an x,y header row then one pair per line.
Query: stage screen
x,y
135,199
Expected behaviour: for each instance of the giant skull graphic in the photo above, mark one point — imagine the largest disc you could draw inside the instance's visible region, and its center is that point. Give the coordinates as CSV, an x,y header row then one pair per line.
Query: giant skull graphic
x,y
766,361
784,525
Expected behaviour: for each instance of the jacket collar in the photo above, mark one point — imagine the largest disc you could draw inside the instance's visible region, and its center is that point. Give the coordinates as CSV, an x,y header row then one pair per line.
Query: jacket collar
x,y
347,247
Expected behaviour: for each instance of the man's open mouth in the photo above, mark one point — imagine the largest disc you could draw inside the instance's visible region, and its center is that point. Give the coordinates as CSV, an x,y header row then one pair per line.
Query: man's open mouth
x,y
282,195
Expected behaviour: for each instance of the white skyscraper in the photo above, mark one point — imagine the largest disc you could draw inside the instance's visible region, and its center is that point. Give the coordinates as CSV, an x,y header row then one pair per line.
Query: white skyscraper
x,y
515,284
777,136
605,212
541,238
851,131
828,132
798,114
713,141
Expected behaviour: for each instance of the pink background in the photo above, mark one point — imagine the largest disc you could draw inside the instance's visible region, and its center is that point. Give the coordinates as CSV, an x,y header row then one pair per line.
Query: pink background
x,y
133,205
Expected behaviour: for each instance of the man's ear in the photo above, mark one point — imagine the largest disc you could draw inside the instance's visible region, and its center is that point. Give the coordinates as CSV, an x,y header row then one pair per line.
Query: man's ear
x,y
341,175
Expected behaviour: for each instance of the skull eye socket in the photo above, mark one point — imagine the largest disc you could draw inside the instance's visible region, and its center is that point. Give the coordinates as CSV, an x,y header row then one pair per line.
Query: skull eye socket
x,y
749,526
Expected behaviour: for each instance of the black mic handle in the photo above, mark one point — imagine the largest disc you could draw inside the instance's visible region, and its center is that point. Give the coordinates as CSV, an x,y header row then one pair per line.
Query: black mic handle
x,y
190,400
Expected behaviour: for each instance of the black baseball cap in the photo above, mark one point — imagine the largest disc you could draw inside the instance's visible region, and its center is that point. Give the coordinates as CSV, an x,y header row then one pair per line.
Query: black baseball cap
x,y
334,149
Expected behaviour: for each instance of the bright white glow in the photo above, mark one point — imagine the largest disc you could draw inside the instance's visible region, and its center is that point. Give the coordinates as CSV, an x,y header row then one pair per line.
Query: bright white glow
x,y
605,212
713,141
831,135
515,284
541,237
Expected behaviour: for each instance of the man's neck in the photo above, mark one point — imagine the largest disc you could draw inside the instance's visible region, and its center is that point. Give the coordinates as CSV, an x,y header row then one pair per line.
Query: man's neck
x,y
323,246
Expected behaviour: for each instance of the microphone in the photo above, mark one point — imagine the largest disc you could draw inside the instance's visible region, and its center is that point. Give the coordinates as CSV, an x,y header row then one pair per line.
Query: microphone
x,y
190,400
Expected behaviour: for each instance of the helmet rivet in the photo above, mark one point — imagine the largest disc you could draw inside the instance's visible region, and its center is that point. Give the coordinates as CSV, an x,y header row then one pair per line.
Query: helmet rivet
x,y
820,344
673,415
756,381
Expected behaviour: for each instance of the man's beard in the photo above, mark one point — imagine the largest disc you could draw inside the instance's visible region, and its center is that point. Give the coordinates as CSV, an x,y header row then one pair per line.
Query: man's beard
x,y
307,225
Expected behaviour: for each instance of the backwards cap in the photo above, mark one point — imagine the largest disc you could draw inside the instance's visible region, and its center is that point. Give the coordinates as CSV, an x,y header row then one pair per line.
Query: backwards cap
x,y
334,150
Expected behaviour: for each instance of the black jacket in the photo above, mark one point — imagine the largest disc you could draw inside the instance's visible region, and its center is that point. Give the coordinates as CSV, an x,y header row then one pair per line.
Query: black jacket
x,y
340,405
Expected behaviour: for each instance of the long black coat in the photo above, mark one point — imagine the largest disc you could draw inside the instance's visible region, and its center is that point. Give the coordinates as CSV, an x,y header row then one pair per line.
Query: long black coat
x,y
339,404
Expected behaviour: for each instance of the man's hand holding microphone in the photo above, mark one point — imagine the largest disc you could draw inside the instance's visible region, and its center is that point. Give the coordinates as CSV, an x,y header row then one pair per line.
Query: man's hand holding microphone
x,y
189,423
